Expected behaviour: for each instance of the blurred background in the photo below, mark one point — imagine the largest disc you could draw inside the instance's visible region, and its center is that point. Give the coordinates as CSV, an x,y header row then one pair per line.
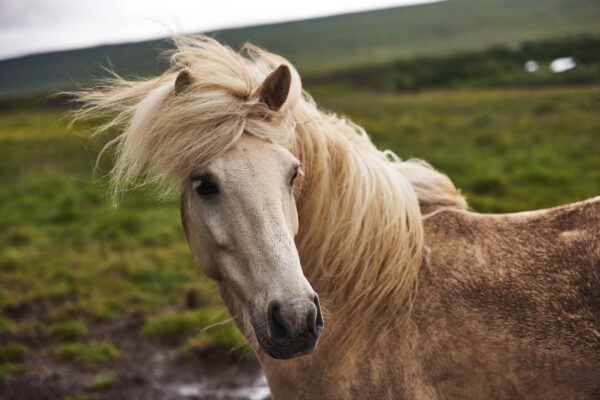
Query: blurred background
x,y
105,303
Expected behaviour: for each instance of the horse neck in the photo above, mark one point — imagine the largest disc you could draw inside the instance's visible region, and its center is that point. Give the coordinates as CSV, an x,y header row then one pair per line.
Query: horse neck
x,y
360,238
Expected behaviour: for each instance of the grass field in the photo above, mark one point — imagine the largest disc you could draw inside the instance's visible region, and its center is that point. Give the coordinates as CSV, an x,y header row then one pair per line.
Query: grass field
x,y
508,150
73,269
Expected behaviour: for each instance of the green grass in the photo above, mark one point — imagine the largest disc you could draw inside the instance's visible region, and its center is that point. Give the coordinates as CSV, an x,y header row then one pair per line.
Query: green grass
x,y
12,357
70,263
89,355
222,338
102,382
508,150
68,330
12,353
6,326
175,327
62,244
9,370
198,332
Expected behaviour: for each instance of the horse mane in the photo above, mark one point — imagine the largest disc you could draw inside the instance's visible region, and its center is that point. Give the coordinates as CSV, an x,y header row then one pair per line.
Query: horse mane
x,y
361,210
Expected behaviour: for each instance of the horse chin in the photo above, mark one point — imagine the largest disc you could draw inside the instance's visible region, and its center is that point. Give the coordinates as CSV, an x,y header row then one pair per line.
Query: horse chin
x,y
285,352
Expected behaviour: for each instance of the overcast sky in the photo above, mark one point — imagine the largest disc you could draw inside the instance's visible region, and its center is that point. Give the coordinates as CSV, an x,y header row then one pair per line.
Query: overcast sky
x,y
31,26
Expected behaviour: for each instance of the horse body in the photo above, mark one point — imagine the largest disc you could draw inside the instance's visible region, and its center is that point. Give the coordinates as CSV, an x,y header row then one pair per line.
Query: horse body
x,y
507,306
421,299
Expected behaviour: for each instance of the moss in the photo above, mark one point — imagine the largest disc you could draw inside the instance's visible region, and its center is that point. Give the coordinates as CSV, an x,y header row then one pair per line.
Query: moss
x,y
89,355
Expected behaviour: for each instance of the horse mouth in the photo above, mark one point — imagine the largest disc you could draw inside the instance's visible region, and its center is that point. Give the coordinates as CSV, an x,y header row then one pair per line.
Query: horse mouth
x,y
287,351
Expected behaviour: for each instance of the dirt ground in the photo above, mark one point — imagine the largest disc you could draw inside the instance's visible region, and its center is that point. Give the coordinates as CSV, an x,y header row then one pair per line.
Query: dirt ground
x,y
144,370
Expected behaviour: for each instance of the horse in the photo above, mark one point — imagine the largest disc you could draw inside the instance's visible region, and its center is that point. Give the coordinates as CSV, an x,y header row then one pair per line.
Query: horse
x,y
352,273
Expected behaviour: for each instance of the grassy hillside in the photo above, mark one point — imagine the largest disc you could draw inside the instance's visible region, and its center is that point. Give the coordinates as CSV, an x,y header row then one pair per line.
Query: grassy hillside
x,y
436,28
317,45
497,66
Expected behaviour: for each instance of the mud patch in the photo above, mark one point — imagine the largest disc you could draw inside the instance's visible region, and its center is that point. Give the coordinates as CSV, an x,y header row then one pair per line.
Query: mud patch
x,y
145,370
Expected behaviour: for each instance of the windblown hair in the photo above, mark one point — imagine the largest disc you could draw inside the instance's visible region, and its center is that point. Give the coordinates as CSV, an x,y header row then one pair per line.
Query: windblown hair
x,y
361,232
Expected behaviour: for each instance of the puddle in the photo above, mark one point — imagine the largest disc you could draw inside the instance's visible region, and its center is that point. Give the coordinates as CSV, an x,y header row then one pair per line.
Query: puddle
x,y
255,390
190,390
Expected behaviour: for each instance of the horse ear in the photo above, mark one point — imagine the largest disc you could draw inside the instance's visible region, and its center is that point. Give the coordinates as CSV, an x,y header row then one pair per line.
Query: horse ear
x,y
184,79
276,87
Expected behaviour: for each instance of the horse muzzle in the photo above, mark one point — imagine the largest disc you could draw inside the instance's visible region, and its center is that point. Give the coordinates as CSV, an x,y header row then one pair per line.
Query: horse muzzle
x,y
292,328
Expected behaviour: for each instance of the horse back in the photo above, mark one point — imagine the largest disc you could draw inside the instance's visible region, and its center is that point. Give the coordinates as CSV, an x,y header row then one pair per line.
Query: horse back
x,y
511,303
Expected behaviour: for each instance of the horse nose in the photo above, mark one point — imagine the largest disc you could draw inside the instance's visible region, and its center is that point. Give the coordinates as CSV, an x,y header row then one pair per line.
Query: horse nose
x,y
295,323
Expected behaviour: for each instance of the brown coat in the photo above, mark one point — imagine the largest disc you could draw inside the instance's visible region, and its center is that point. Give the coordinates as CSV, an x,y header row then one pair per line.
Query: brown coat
x,y
507,307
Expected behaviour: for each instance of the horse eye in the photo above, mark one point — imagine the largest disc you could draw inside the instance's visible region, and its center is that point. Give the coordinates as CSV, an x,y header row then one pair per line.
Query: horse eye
x,y
205,186
297,171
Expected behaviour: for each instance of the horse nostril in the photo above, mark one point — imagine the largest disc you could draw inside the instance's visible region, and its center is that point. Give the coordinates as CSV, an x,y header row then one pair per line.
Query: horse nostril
x,y
277,327
319,323
311,321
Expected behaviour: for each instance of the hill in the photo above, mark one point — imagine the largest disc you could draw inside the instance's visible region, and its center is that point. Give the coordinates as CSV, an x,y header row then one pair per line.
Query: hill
x,y
496,66
343,41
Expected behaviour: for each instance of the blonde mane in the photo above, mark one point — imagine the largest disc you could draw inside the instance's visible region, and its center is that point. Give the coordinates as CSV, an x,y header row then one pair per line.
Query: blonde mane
x,y
361,210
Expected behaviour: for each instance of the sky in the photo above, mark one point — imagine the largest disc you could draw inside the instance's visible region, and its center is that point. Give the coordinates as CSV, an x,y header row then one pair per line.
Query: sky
x,y
32,26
